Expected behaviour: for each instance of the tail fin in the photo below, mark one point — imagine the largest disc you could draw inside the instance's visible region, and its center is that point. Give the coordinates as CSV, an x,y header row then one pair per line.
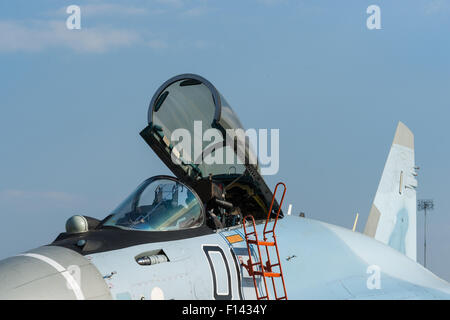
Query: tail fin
x,y
392,218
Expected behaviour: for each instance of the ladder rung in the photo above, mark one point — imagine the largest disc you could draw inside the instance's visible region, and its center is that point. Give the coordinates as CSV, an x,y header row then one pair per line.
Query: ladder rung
x,y
275,265
262,243
267,274
272,274
250,265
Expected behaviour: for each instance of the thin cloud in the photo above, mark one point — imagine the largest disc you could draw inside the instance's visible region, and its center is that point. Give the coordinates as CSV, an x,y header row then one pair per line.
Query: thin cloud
x,y
112,9
200,44
24,195
157,44
437,6
17,201
272,2
104,9
196,12
174,3
38,36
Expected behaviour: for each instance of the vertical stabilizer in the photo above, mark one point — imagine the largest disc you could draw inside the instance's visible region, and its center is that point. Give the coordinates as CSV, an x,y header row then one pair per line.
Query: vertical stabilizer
x,y
392,218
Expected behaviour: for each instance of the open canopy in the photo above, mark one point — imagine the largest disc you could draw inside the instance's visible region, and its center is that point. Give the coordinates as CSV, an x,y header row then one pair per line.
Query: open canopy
x,y
191,103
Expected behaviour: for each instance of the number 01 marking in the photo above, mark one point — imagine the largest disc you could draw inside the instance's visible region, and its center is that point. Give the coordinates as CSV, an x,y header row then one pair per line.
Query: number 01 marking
x,y
217,295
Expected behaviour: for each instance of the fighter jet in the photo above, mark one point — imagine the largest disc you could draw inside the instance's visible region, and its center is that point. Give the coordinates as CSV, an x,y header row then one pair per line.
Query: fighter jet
x,y
215,230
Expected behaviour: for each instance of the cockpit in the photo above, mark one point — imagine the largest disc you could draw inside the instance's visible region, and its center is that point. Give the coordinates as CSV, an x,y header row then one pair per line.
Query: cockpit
x,y
227,189
215,193
158,204
208,191
164,203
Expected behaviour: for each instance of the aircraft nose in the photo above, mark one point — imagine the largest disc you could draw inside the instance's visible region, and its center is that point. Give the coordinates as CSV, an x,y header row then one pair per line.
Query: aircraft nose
x,y
53,273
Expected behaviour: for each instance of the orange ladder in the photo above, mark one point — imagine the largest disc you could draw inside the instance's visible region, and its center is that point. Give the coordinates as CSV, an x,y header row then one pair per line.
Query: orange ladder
x,y
265,270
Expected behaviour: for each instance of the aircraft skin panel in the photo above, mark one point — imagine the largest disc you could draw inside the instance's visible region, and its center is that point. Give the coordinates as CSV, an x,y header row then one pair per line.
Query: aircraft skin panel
x,y
319,260
188,274
392,218
372,222
332,263
138,282
390,261
51,272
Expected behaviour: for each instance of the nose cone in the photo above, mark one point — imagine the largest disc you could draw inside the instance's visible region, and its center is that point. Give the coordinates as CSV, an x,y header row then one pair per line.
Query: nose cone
x,y
53,273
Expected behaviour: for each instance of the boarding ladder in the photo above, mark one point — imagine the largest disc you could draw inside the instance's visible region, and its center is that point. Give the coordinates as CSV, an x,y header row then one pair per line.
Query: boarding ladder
x,y
258,268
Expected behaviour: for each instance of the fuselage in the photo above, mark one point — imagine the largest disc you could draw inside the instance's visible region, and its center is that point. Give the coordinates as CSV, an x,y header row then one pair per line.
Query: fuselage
x,y
319,261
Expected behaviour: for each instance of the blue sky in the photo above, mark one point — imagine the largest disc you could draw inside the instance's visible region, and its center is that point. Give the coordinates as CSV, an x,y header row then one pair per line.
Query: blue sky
x,y
73,102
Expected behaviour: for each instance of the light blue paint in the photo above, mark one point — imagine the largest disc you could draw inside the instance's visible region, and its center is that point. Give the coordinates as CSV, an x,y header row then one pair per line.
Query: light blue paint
x,y
398,236
123,296
330,263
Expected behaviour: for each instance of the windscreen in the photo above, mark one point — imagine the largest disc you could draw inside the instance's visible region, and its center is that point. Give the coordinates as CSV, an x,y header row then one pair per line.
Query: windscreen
x,y
158,205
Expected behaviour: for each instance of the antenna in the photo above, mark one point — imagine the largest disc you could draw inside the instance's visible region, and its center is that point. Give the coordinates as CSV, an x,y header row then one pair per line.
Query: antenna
x,y
356,221
424,205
